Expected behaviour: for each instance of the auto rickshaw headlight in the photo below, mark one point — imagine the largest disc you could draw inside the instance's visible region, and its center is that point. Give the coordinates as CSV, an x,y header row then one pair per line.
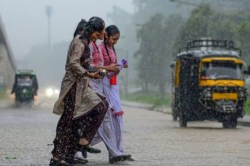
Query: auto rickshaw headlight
x,y
56,91
241,94
52,92
24,90
49,92
208,94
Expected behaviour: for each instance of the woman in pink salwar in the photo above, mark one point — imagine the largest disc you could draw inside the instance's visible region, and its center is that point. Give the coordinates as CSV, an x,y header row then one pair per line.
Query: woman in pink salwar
x,y
112,126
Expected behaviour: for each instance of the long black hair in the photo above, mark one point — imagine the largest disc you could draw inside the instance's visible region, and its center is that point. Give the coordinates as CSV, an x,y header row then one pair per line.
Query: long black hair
x,y
80,27
95,24
110,31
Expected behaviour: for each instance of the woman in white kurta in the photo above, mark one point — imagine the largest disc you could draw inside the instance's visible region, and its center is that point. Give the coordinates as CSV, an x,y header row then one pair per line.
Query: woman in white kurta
x,y
105,133
113,132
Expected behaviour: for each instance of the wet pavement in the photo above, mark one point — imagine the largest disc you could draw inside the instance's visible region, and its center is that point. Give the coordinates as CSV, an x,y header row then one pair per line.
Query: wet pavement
x,y
151,137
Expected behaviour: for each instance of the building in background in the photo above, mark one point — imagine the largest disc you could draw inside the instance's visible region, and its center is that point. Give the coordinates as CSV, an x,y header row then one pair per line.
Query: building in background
x,y
7,62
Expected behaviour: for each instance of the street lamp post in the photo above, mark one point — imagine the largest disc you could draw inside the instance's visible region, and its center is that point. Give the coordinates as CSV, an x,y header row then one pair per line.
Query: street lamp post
x,y
49,12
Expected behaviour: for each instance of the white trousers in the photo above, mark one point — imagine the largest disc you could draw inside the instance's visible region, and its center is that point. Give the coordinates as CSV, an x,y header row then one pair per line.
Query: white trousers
x,y
110,131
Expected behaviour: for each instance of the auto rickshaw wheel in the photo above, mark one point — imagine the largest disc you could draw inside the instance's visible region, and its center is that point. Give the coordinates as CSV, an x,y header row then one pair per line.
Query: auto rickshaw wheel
x,y
182,119
175,117
230,123
31,103
17,104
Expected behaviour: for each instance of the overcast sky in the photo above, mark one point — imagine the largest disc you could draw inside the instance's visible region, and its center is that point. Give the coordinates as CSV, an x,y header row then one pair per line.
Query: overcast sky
x,y
26,21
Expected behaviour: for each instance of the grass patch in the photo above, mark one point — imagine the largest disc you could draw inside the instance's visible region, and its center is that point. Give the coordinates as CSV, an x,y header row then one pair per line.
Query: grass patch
x,y
247,106
2,94
147,98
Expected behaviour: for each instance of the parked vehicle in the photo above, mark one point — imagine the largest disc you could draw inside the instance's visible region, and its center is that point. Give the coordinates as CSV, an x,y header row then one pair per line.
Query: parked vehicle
x,y
208,83
25,87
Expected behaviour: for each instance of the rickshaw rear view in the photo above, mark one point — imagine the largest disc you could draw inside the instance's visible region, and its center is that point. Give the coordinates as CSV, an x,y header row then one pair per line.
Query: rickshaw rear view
x,y
208,83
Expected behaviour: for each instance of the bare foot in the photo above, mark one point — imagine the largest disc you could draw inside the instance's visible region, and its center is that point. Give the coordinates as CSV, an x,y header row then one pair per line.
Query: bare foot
x,y
83,141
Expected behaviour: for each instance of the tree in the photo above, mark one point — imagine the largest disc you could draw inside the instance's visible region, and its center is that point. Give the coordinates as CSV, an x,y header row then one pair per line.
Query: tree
x,y
195,27
150,37
156,37
221,25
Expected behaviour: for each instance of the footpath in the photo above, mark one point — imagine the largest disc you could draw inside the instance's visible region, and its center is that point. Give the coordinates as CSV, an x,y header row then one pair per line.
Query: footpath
x,y
245,121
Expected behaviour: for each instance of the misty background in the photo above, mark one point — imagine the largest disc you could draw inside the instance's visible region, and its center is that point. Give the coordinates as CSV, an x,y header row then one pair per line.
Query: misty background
x,y
152,31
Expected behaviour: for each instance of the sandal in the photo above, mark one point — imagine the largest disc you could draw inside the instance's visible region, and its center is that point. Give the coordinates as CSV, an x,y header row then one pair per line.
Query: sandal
x,y
119,158
77,161
54,162
92,150
82,148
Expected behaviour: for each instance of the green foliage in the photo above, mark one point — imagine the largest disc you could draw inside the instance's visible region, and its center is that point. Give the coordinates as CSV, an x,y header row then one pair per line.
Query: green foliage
x,y
150,36
148,98
156,38
145,9
247,106
2,93
162,35
206,22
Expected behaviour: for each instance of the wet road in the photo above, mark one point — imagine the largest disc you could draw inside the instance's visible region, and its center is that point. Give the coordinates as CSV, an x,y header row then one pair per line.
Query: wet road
x,y
152,138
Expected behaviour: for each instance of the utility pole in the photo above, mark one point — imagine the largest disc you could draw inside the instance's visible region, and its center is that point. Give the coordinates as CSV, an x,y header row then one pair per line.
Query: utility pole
x,y
48,13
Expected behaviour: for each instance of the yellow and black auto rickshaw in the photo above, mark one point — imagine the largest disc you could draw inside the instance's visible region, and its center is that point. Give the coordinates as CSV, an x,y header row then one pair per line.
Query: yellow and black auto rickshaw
x,y
25,87
208,83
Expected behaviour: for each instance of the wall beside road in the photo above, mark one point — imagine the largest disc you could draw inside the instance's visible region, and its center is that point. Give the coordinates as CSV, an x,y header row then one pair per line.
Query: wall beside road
x,y
7,62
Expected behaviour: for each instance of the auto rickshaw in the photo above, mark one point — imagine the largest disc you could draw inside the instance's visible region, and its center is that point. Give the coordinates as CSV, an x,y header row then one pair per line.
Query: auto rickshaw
x,y
208,83
25,87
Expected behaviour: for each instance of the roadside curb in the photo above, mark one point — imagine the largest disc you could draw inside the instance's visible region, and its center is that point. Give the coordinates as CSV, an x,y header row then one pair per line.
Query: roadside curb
x,y
241,121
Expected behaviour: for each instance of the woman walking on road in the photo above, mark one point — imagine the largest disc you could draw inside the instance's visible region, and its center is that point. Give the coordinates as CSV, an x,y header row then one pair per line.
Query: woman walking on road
x,y
95,84
81,109
112,126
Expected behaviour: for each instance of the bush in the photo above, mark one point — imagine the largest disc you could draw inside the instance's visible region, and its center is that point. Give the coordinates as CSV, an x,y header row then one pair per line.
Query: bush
x,y
147,98
2,93
247,106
